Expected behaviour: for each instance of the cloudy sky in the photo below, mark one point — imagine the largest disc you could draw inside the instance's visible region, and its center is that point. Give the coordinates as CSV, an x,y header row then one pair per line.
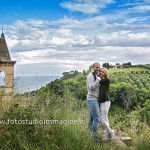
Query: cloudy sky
x,y
48,37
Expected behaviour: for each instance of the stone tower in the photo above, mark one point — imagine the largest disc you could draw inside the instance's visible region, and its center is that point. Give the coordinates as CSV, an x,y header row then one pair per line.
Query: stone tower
x,y
7,66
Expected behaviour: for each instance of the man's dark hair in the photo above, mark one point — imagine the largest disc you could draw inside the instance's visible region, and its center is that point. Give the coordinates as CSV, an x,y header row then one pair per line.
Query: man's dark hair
x,y
95,64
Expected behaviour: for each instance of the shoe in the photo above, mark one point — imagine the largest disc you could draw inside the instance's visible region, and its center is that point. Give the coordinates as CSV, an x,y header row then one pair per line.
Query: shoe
x,y
105,138
97,139
112,135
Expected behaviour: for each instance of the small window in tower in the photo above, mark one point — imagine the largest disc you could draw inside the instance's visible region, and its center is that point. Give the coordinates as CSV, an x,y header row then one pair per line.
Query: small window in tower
x,y
2,79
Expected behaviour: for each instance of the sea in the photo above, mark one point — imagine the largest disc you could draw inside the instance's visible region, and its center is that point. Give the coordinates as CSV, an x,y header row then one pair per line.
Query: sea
x,y
24,84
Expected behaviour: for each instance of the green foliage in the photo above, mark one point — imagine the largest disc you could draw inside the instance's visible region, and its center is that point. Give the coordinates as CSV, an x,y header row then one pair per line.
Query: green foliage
x,y
145,112
114,88
126,65
61,87
17,132
60,99
147,66
133,86
106,65
71,74
142,142
48,136
129,86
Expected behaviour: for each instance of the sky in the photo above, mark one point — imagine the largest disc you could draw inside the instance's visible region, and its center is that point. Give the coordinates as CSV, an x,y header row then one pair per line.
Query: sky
x,y
49,37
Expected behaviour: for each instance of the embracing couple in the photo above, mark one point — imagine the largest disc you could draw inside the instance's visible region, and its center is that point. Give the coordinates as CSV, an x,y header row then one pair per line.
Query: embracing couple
x,y
98,101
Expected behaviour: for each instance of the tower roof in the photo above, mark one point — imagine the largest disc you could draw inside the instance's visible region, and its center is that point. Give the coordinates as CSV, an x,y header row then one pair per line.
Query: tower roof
x,y
4,52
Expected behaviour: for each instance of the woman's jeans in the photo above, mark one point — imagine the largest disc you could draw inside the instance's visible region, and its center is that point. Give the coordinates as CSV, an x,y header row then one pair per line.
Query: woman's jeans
x,y
104,108
105,122
94,116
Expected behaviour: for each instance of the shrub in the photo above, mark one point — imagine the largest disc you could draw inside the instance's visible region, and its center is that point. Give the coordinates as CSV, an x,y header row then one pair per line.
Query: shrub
x,y
145,112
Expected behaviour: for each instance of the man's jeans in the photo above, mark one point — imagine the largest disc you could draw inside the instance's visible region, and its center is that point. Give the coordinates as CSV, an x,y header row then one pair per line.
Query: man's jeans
x,y
94,116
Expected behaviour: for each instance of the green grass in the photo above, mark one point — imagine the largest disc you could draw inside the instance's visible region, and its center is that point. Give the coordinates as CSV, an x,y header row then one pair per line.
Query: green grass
x,y
126,70
48,106
63,136
51,136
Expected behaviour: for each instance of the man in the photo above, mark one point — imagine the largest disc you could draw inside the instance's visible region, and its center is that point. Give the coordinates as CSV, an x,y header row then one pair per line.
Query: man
x,y
92,100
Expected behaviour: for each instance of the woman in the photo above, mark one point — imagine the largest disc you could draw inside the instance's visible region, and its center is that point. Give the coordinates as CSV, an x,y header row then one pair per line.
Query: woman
x,y
104,102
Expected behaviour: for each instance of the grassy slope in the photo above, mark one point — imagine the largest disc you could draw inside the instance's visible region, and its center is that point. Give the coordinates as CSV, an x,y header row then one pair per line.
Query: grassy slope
x,y
126,70
66,137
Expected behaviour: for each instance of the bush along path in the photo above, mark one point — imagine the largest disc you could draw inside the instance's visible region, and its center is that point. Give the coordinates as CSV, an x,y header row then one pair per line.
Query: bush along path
x,y
68,131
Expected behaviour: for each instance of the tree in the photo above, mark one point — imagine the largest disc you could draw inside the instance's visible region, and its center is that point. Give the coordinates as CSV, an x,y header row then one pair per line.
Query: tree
x,y
71,74
106,65
145,112
84,72
125,95
126,65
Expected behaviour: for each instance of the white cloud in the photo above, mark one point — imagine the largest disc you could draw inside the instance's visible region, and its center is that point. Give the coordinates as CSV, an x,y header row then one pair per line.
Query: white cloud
x,y
136,19
142,8
86,6
63,32
120,35
76,44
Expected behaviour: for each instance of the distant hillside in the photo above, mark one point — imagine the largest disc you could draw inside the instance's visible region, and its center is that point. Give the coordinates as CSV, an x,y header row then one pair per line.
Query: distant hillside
x,y
132,86
129,88
132,79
